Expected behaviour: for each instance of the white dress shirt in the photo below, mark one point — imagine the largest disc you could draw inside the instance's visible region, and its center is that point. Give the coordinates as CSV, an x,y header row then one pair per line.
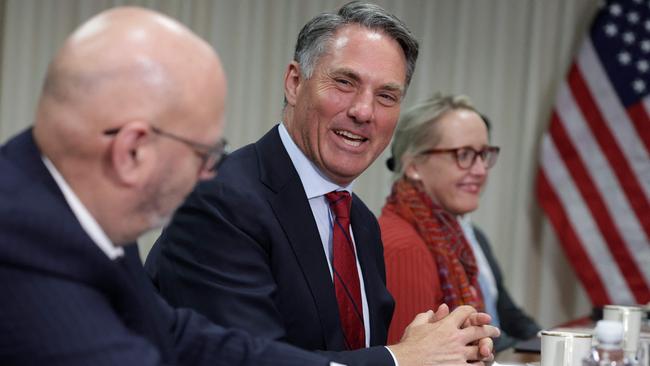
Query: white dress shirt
x,y
486,276
87,221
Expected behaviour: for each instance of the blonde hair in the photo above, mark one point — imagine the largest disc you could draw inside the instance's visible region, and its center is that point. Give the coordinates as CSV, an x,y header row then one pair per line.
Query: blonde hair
x,y
416,130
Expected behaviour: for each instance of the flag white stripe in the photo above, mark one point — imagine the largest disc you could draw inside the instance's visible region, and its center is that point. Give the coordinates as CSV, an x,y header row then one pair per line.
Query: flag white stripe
x,y
615,115
583,224
609,189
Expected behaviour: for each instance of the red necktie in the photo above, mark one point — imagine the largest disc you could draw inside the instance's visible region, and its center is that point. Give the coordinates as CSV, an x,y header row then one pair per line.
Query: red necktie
x,y
344,268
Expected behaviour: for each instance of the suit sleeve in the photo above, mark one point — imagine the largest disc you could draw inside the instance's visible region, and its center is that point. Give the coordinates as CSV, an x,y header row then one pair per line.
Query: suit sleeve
x,y
47,320
199,342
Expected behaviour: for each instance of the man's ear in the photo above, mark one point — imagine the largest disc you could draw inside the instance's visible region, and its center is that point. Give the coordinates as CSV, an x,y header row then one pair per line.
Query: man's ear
x,y
292,82
131,155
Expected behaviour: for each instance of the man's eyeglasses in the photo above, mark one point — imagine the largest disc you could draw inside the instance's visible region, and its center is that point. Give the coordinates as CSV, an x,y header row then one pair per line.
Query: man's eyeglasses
x,y
211,156
466,156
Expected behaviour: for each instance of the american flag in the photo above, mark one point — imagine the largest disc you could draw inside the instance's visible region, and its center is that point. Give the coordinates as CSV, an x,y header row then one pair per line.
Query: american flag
x,y
594,180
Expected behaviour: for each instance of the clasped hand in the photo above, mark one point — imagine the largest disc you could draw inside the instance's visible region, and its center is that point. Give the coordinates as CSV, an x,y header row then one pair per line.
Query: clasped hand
x,y
443,338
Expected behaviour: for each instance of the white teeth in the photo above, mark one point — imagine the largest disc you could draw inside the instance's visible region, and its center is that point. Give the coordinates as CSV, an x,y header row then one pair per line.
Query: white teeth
x,y
349,134
352,143
472,187
352,136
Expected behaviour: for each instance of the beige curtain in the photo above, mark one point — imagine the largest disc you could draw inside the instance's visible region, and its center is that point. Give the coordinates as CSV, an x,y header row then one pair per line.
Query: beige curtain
x,y
2,25
507,55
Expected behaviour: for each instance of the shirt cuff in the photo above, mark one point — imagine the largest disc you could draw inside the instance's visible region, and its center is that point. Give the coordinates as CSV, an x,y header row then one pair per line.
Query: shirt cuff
x,y
393,356
336,364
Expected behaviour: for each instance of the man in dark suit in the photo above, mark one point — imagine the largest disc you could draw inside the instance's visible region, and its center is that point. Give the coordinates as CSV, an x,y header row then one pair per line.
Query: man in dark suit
x,y
125,127
263,247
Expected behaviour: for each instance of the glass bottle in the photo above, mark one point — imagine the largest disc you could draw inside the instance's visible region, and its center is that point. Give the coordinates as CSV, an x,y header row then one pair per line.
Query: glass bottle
x,y
609,349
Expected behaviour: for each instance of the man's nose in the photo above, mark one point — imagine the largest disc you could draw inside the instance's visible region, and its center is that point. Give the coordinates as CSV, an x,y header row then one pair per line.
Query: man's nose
x,y
363,107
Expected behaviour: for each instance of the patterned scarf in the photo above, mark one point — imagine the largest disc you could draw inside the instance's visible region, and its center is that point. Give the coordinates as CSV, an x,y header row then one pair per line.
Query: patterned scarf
x,y
444,237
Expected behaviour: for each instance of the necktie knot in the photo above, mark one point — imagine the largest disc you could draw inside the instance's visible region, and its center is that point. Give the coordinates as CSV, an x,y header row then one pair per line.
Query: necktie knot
x,y
340,203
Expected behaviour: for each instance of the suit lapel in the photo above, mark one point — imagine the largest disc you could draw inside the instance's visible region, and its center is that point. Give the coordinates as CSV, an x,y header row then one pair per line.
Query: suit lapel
x,y
290,205
363,240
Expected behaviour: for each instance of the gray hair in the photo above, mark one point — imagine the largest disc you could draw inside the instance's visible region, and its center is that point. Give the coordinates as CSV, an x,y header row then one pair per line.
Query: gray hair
x,y
416,130
315,36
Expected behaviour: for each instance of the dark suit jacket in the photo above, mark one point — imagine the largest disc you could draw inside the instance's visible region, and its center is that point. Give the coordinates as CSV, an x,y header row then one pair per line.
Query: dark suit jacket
x,y
64,302
244,250
515,324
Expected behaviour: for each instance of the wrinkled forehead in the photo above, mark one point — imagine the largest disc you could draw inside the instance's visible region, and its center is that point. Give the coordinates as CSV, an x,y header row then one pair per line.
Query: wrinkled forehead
x,y
366,50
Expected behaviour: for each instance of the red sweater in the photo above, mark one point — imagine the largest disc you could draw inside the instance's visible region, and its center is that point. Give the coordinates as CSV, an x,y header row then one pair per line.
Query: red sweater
x,y
411,272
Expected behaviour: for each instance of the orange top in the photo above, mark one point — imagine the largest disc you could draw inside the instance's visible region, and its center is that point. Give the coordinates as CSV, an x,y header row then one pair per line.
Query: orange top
x,y
411,272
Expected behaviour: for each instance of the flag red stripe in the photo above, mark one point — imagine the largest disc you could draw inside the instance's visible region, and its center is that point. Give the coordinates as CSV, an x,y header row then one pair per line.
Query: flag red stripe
x,y
598,208
641,121
578,257
617,161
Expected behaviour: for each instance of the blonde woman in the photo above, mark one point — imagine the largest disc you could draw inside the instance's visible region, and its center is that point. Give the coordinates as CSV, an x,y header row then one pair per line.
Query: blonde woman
x,y
441,160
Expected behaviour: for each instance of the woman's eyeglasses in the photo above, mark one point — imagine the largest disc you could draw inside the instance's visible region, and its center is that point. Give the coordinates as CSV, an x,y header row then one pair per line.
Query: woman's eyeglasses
x,y
466,156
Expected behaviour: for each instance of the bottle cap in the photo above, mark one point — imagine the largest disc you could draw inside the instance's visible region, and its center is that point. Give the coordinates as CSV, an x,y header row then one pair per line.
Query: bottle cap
x,y
609,331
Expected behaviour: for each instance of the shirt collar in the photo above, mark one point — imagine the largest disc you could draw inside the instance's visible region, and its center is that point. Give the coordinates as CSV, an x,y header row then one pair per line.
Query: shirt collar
x,y
313,181
87,221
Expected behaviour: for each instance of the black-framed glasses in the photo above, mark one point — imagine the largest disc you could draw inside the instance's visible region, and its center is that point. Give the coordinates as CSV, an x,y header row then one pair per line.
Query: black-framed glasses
x,y
466,156
210,155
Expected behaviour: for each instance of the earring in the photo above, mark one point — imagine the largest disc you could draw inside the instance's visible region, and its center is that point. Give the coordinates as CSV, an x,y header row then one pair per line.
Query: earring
x,y
415,176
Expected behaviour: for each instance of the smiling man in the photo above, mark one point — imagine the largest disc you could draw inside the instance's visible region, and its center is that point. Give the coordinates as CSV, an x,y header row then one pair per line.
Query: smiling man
x,y
342,115
277,243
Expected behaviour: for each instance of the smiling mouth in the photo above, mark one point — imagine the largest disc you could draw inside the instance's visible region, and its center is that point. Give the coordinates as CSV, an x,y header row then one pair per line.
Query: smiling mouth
x,y
471,187
351,139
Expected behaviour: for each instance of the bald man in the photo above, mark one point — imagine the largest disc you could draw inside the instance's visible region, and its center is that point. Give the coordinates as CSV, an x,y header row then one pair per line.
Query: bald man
x,y
129,119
